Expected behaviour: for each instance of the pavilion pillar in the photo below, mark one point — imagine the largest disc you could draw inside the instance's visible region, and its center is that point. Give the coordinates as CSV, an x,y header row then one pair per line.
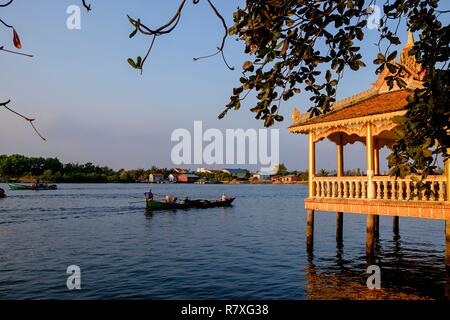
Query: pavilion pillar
x,y
312,191
376,169
340,173
371,220
311,164
370,161
447,222
447,175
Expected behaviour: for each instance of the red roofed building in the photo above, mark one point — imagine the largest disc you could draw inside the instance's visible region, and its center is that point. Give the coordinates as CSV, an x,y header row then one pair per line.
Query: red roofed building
x,y
368,117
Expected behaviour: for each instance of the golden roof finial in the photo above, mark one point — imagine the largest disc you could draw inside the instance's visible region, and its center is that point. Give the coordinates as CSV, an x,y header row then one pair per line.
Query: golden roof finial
x,y
410,42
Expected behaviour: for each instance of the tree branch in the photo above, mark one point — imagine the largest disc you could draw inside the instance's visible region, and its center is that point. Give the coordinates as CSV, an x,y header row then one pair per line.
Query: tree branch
x,y
87,6
30,120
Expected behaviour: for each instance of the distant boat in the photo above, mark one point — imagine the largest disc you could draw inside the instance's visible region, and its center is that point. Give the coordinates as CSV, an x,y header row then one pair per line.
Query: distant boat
x,y
39,187
188,204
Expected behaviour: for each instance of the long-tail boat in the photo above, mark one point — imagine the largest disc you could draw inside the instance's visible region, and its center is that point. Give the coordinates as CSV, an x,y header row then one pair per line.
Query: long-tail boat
x,y
40,186
188,204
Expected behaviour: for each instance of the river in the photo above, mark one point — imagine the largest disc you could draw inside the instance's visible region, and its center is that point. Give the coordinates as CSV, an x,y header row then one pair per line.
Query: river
x,y
253,250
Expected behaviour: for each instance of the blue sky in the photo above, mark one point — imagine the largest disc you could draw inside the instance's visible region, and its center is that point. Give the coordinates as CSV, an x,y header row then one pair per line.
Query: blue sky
x,y
91,106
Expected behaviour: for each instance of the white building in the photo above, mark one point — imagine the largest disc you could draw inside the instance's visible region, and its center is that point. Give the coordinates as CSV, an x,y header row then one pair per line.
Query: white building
x,y
262,176
155,177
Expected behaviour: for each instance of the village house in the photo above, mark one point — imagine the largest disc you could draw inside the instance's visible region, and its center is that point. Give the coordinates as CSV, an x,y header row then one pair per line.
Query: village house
x,y
289,179
204,170
262,176
155,177
187,178
173,177
275,179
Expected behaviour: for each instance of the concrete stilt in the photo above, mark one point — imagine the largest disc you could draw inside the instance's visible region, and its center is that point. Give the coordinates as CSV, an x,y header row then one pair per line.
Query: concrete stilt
x,y
370,234
310,230
339,227
395,225
377,226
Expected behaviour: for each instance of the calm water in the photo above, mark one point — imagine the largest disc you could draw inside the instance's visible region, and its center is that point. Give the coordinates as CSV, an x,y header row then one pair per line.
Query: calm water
x,y
254,250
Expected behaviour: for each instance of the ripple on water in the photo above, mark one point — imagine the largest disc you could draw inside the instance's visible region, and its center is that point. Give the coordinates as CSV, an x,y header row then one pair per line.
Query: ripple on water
x,y
254,250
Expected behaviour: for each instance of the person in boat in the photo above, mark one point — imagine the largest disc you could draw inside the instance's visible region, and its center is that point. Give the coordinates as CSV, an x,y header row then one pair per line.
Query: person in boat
x,y
36,184
149,195
169,199
224,197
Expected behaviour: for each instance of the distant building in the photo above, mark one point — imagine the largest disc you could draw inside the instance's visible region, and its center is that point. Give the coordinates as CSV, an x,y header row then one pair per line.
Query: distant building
x,y
236,173
275,179
181,171
155,177
187,178
289,179
173,177
204,170
262,176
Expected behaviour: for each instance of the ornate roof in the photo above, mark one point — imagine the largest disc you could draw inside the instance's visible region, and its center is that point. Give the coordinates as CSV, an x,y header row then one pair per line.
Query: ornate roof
x,y
377,100
376,104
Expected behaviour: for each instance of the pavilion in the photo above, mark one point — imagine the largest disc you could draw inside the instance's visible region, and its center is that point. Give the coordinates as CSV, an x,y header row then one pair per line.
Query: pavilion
x,y
368,117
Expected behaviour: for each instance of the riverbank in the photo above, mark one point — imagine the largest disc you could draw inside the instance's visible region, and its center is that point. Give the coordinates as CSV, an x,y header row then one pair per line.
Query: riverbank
x,y
33,179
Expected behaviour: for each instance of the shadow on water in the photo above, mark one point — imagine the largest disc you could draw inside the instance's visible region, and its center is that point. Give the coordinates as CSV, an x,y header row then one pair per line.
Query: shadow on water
x,y
405,274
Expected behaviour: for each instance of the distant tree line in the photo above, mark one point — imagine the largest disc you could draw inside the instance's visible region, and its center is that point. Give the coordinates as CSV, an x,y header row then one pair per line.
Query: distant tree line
x,y
18,167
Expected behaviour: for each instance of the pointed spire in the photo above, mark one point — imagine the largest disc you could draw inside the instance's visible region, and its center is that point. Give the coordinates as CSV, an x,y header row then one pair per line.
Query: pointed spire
x,y
410,42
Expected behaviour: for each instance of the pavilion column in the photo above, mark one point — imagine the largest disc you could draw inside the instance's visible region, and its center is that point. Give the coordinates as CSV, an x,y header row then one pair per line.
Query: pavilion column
x,y
447,175
376,157
340,173
312,191
376,163
447,222
371,220
311,164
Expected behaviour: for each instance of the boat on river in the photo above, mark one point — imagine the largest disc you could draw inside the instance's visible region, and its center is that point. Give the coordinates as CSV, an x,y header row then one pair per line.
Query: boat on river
x,y
38,187
188,204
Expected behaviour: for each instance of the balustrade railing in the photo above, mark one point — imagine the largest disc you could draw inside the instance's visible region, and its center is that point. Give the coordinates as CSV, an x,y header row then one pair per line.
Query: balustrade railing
x,y
390,188
342,187
385,188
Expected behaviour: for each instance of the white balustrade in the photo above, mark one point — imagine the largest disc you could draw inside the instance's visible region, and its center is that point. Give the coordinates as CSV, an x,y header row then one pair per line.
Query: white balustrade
x,y
386,188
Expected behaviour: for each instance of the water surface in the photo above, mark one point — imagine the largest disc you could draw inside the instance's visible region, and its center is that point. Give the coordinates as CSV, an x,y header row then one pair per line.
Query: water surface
x,y
253,250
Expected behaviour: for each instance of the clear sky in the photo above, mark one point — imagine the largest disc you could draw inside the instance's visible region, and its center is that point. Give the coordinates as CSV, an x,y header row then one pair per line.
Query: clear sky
x,y
92,107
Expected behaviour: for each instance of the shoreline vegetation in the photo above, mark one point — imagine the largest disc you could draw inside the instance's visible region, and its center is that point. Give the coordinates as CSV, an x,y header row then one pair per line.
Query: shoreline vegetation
x,y
23,169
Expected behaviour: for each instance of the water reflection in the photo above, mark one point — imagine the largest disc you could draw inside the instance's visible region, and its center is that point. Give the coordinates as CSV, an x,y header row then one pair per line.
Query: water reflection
x,y
405,274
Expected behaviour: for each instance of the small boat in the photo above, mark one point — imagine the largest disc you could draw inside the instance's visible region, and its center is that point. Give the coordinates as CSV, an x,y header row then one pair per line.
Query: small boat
x,y
39,187
188,204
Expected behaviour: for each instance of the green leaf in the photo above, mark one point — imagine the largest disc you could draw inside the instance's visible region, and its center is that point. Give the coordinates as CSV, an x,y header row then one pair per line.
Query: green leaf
x,y
392,56
133,33
131,63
